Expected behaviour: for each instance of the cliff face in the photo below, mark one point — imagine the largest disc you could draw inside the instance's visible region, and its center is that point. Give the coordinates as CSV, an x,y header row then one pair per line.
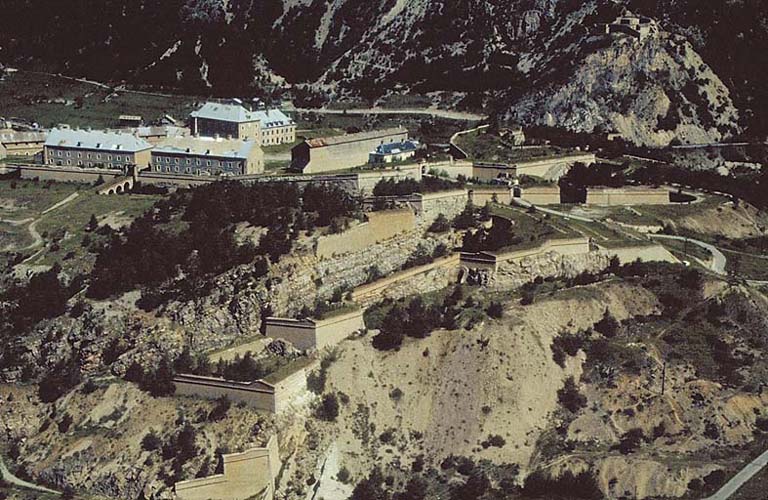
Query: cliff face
x,y
542,61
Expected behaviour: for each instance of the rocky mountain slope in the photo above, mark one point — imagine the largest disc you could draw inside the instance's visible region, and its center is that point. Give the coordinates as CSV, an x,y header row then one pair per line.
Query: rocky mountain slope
x,y
544,61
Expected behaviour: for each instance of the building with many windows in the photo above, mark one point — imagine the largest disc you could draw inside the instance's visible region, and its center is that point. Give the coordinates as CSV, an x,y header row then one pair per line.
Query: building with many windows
x,y
207,156
266,127
394,152
95,149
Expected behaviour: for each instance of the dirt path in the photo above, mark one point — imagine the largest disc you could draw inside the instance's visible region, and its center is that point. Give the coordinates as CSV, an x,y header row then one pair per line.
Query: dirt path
x,y
6,475
36,237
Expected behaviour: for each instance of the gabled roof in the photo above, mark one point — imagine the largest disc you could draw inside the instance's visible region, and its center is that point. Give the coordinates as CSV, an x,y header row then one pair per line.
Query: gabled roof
x,y
271,118
204,146
14,136
239,114
96,140
397,147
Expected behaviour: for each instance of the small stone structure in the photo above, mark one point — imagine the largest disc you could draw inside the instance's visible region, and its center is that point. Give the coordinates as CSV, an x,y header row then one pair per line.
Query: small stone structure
x,y
379,227
316,334
250,474
629,195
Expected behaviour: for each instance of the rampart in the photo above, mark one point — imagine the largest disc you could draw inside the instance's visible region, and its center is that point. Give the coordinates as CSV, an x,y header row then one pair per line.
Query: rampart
x,y
67,174
646,253
379,227
311,334
629,195
448,203
274,394
443,270
541,195
553,168
482,195
250,474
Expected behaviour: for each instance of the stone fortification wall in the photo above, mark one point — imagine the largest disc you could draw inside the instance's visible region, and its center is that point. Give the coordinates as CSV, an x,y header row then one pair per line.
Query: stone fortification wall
x,y
64,174
516,273
541,195
367,180
646,253
259,395
453,169
249,474
291,388
481,196
421,279
628,196
310,334
553,168
448,203
381,226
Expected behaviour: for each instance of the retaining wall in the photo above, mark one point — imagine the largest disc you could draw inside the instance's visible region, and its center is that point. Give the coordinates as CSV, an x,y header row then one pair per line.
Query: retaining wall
x,y
445,269
64,174
553,168
259,394
308,334
481,196
541,195
380,226
647,253
628,196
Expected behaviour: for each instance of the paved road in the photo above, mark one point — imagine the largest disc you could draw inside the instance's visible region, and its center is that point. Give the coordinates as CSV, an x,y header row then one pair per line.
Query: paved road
x,y
440,113
718,258
744,475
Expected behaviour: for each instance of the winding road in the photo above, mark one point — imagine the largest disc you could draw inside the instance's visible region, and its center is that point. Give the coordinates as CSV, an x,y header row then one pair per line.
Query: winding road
x,y
718,258
376,110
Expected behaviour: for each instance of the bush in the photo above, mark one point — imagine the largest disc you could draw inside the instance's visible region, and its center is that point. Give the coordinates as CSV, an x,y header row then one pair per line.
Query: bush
x,y
494,440
65,423
219,411
608,325
151,442
440,225
328,409
495,310
631,441
570,397
343,476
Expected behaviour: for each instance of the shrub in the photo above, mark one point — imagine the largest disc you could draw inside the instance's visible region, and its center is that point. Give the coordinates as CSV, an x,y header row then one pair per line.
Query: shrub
x,y
219,411
495,310
328,409
570,397
65,422
343,476
608,325
494,440
631,441
151,442
440,225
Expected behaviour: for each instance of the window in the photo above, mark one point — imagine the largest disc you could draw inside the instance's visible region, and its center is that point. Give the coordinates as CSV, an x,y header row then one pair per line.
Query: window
x,y
50,161
109,157
69,154
208,163
79,155
98,156
188,170
176,169
69,162
157,168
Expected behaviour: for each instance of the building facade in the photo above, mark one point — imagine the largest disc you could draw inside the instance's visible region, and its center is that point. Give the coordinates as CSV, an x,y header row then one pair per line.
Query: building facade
x,y
95,149
206,156
15,143
266,127
327,154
